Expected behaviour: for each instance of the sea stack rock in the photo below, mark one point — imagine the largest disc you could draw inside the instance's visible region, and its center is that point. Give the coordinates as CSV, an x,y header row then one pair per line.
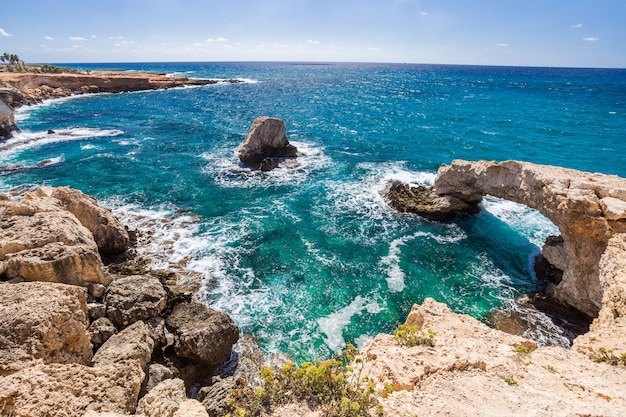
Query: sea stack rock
x,y
266,144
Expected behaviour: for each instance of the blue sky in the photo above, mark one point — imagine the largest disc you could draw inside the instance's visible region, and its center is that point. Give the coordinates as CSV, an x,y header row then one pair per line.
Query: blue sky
x,y
581,33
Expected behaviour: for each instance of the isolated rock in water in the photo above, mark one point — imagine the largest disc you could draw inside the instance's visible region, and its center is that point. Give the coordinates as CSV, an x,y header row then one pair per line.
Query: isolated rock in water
x,y
265,144
42,321
71,389
425,202
133,298
134,342
201,333
41,241
110,235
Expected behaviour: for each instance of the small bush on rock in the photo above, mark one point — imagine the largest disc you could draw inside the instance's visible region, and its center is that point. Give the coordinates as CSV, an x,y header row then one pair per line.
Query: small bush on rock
x,y
411,336
331,385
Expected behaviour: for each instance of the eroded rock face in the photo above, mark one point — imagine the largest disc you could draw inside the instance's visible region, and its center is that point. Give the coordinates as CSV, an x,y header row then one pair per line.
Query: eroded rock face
x,y
201,333
135,297
7,121
265,144
110,235
169,399
476,370
41,241
43,321
71,389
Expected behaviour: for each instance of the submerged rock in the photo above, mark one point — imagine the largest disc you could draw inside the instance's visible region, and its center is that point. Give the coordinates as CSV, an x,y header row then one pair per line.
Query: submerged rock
x,y
265,144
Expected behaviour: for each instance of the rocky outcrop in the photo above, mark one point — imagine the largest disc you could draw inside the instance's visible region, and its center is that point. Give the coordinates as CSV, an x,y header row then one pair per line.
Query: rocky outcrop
x,y
135,297
110,235
474,370
46,322
41,241
29,88
7,121
201,333
422,200
266,144
589,209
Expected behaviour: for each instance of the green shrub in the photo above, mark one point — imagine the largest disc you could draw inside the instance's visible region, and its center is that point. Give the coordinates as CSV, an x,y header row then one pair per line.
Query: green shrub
x,y
332,385
411,336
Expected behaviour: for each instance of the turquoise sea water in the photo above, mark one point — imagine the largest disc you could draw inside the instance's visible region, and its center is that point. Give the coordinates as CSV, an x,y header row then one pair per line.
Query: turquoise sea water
x,y
308,256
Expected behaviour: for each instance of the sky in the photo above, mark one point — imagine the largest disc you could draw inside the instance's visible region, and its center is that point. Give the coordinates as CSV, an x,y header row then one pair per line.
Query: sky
x,y
562,33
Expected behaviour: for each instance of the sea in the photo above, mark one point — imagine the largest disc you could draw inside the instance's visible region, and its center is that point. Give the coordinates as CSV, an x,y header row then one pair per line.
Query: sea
x,y
309,257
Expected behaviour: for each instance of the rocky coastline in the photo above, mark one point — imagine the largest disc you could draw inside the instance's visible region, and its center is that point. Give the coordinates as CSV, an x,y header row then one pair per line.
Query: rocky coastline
x,y
86,328
19,89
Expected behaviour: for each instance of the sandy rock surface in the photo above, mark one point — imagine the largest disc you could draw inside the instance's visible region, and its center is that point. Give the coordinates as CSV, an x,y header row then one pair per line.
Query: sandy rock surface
x,y
42,321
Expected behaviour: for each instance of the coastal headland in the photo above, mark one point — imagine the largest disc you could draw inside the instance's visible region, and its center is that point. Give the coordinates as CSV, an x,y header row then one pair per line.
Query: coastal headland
x,y
87,328
18,89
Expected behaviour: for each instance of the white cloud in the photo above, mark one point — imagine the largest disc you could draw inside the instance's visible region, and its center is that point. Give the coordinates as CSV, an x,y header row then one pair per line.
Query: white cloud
x,y
48,38
373,49
218,39
503,45
313,42
4,33
578,26
77,38
116,38
591,39
424,13
93,36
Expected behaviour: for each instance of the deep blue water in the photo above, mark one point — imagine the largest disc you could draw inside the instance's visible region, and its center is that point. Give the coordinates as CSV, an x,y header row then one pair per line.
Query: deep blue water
x,y
309,256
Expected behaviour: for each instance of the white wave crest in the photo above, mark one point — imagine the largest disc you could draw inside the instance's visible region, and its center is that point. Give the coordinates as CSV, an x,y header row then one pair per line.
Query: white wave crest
x,y
332,325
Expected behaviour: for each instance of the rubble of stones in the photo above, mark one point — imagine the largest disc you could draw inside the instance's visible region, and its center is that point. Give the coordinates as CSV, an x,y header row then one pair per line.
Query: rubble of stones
x,y
76,338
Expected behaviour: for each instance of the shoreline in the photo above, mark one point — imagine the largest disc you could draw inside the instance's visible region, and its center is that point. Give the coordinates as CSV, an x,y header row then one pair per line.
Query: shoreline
x,y
23,89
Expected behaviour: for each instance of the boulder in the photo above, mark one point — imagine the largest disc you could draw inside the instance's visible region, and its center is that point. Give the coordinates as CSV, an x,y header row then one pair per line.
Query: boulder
x,y
201,333
168,399
101,330
265,144
110,235
132,343
157,373
42,321
217,398
40,241
135,297
71,389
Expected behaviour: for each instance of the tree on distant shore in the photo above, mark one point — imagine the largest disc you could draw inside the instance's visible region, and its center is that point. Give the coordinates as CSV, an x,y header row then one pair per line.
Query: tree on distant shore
x,y
14,63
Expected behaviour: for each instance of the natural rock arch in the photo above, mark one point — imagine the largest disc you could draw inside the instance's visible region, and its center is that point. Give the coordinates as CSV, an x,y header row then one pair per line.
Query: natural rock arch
x,y
589,209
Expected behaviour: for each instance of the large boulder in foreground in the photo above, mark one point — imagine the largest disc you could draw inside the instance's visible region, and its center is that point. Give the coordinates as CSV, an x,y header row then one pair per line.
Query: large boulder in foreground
x,y
202,334
41,241
42,321
71,390
265,144
134,297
